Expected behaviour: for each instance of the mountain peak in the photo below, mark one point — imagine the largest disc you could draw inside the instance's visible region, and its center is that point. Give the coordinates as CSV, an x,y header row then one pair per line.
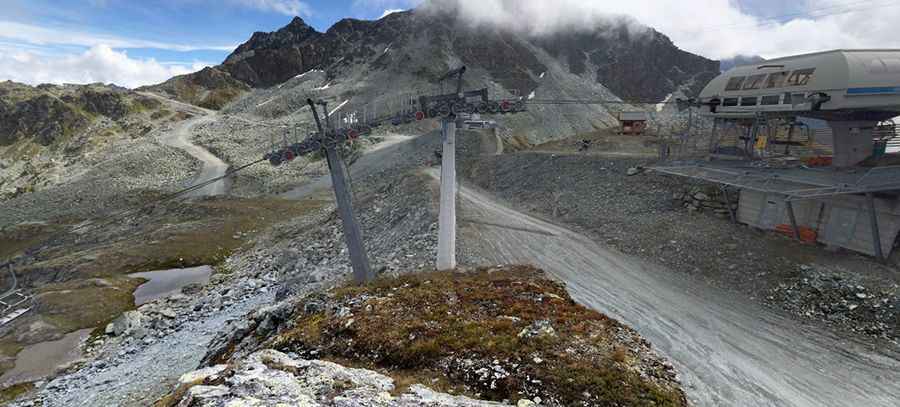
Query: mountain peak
x,y
297,24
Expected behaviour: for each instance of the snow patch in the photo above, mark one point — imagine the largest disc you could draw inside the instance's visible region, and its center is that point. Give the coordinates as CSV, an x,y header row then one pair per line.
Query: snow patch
x,y
531,95
542,75
266,102
661,105
309,71
327,85
339,107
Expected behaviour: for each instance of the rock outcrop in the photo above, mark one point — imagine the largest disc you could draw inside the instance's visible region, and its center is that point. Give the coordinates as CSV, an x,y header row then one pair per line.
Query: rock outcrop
x,y
210,88
269,377
46,127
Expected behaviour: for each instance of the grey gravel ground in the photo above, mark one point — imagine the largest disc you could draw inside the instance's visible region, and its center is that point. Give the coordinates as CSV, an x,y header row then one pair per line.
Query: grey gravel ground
x,y
728,350
638,215
101,185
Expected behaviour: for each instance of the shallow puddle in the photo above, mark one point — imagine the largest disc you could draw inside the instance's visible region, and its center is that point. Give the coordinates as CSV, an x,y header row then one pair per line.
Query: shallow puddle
x,y
40,360
163,283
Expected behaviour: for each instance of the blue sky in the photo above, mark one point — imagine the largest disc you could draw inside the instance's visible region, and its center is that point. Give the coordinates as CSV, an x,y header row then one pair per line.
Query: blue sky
x,y
208,26
137,42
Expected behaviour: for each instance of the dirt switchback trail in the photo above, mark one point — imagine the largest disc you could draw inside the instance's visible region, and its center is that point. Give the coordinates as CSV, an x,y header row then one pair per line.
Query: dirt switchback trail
x,y
728,351
213,167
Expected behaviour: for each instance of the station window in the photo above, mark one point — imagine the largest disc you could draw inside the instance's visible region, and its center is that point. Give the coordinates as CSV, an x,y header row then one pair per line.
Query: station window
x,y
800,77
794,98
754,81
770,100
776,80
730,102
735,83
748,101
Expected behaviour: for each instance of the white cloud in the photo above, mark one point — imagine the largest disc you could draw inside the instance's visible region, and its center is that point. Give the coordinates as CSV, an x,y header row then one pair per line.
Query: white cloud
x,y
100,63
287,7
389,12
713,28
36,35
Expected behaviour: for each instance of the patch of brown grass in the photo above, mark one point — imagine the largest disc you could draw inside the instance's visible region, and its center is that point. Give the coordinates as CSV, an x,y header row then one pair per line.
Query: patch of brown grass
x,y
460,327
15,239
81,304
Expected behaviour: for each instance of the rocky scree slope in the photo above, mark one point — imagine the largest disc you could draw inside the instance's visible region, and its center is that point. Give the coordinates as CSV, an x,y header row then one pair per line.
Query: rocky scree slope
x,y
46,128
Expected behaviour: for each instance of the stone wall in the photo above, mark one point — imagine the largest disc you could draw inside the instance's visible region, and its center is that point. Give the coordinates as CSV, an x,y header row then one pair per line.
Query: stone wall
x,y
707,198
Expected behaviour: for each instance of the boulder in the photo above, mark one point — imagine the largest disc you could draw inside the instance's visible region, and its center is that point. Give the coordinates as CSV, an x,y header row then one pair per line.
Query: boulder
x,y
269,377
128,322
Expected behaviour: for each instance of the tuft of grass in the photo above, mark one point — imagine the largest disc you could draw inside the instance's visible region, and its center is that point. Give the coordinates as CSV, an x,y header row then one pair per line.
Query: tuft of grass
x,y
459,328
9,394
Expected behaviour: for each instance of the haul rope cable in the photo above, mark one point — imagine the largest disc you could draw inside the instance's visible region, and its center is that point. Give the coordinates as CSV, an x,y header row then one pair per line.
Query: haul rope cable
x,y
168,197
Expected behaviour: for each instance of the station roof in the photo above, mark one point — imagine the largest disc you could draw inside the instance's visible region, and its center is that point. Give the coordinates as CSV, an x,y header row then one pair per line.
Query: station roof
x,y
797,183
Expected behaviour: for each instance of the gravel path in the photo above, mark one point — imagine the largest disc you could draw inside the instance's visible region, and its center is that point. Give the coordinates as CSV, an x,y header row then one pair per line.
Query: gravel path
x,y
213,167
729,351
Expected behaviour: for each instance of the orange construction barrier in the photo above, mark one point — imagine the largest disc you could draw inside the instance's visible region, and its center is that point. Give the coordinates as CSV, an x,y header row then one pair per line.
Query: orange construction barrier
x,y
818,161
807,235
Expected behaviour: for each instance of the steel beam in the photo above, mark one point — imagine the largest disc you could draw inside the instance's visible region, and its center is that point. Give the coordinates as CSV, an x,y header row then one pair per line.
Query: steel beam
x,y
446,256
728,204
362,273
793,218
876,234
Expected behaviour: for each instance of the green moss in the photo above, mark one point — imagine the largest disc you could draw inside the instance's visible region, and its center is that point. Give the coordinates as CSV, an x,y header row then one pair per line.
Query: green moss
x,y
11,393
432,323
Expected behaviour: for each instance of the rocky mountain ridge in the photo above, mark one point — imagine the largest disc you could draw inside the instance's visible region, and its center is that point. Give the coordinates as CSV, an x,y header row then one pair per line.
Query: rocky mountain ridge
x,y
45,128
426,42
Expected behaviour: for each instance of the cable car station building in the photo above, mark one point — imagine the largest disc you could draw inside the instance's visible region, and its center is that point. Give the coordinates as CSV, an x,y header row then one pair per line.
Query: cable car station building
x,y
809,142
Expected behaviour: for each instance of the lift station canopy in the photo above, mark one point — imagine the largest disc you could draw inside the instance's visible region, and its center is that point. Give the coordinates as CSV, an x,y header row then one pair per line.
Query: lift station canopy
x,y
839,85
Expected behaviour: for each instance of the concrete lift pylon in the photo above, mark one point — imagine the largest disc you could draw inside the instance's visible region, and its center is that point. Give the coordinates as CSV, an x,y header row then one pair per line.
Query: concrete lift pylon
x,y
446,255
452,109
362,272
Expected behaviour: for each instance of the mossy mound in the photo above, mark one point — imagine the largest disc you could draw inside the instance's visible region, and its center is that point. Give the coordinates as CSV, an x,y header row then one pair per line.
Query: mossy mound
x,y
503,333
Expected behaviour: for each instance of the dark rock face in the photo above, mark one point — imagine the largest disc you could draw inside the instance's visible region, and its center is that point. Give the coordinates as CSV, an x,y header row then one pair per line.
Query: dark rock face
x,y
110,104
271,58
639,65
50,113
44,117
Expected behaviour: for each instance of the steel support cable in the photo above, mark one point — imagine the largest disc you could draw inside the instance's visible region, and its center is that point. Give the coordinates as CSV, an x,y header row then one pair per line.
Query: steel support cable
x,y
32,255
168,197
591,102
